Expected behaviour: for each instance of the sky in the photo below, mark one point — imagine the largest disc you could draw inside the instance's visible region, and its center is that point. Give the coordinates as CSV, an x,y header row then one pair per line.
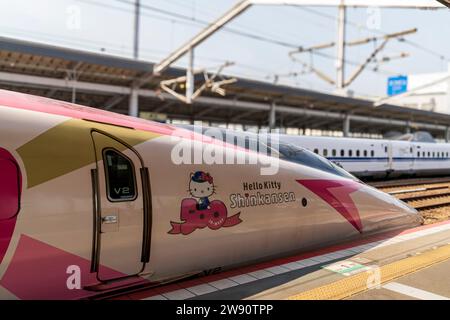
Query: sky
x,y
107,26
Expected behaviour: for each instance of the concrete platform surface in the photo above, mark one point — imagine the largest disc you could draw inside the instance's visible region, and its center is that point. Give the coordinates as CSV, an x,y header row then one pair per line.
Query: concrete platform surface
x,y
338,272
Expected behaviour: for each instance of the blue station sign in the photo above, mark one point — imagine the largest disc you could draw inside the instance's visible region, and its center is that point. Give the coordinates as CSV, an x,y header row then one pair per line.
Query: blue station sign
x,y
397,85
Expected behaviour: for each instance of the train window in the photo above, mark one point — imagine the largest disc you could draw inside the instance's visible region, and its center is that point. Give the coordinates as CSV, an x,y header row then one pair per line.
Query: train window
x,y
429,154
372,153
120,177
350,153
418,154
316,151
305,157
385,149
342,153
334,153
357,153
423,154
9,187
365,153
433,154
325,152
411,150
446,154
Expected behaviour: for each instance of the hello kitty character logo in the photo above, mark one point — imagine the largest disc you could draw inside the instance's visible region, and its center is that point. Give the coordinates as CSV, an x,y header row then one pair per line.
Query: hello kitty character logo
x,y
198,211
201,187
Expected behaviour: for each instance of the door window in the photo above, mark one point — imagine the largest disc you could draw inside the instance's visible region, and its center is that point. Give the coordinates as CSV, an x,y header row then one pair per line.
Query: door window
x,y
120,177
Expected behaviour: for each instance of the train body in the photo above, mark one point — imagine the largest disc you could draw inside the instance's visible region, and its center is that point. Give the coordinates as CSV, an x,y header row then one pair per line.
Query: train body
x,y
379,158
90,199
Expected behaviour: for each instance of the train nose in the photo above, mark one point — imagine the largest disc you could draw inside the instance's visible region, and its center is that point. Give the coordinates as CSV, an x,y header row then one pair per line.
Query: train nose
x,y
381,210
365,208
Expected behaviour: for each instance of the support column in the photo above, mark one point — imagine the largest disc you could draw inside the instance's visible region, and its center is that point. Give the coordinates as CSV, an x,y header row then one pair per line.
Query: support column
x,y
74,93
272,116
133,107
448,89
340,56
282,127
346,126
408,130
137,15
190,77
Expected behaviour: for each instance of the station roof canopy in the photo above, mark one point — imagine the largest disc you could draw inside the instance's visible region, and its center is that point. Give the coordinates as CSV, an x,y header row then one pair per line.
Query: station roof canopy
x,y
105,82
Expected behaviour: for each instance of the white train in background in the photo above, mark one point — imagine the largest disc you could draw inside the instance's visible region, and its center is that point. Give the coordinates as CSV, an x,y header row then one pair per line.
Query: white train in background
x,y
377,158
409,155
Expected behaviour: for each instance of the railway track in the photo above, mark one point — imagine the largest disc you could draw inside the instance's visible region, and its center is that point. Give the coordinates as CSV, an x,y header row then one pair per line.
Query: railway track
x,y
430,202
399,183
431,196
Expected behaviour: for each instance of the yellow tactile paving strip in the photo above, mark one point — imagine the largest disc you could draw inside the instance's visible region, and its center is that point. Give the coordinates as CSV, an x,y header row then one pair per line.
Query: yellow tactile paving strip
x,y
358,283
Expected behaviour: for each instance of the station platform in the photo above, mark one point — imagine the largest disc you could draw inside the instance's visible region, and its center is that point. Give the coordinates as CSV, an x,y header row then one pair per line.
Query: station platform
x,y
411,264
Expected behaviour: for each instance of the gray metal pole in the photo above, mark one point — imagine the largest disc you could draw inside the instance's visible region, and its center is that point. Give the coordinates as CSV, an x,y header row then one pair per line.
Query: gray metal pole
x,y
408,128
137,16
133,107
272,116
74,94
340,56
346,126
448,88
74,88
190,77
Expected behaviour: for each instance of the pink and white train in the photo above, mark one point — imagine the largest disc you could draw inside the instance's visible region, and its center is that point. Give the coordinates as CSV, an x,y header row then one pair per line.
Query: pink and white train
x,y
91,200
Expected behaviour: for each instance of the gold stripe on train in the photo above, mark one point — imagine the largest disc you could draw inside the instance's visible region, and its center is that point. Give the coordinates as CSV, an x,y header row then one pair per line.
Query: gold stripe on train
x,y
68,147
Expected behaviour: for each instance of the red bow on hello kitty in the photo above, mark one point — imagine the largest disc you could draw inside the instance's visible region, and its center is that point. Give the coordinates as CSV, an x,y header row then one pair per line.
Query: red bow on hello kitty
x,y
207,177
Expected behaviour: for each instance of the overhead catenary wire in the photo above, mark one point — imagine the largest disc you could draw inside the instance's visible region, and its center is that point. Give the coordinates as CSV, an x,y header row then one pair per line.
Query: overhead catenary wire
x,y
204,22
359,26
211,11
122,48
248,35
169,16
256,37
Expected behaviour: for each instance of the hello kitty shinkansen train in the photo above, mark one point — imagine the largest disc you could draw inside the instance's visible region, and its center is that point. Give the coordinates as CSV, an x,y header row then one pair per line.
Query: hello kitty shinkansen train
x,y
96,194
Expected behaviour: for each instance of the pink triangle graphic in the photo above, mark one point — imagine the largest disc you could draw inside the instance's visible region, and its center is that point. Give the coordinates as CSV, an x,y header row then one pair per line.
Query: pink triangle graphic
x,y
337,194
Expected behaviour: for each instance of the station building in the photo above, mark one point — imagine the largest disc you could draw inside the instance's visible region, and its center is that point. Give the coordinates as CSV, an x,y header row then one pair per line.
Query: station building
x,y
108,82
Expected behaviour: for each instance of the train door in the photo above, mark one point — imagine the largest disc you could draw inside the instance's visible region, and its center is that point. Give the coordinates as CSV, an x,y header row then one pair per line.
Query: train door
x,y
122,221
10,190
9,186
389,154
412,152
